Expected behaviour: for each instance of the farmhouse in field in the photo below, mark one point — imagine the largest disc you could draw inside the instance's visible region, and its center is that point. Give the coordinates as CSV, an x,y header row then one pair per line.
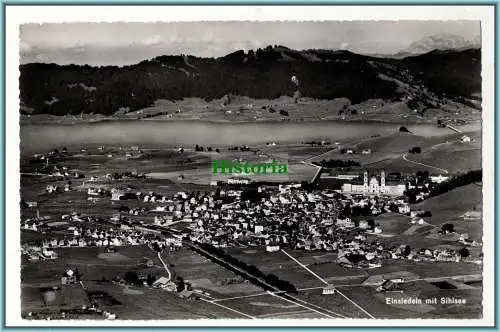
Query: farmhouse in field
x,y
330,289
272,248
393,285
465,139
164,283
68,278
366,151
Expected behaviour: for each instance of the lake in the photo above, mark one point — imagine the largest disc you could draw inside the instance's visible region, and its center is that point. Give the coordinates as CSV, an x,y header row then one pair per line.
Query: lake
x,y
42,137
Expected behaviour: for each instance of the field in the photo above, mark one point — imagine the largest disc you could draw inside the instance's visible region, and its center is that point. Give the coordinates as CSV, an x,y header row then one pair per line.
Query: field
x,y
441,151
454,161
393,223
362,298
47,298
451,206
155,304
376,303
204,274
242,299
93,263
282,266
96,164
242,108
265,306
129,303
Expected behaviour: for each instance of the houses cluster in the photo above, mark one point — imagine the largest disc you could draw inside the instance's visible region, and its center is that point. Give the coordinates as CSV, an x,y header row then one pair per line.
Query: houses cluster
x,y
360,254
37,253
436,255
63,171
278,218
72,314
96,237
292,216
52,189
374,205
127,193
267,216
289,216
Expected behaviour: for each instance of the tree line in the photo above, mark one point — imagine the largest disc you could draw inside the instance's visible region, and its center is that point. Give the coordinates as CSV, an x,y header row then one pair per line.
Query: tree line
x,y
443,187
252,270
457,181
336,163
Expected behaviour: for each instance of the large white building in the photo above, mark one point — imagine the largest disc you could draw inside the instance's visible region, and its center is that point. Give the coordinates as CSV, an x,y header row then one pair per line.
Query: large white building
x,y
374,186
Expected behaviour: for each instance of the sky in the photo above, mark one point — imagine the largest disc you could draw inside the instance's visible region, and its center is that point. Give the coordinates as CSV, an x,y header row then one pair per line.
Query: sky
x,y
121,43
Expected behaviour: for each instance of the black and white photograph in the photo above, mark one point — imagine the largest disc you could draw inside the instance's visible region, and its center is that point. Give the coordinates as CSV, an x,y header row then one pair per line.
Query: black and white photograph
x,y
266,172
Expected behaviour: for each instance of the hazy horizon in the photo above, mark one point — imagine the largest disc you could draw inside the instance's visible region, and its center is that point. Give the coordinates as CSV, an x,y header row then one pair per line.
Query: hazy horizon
x,y
121,43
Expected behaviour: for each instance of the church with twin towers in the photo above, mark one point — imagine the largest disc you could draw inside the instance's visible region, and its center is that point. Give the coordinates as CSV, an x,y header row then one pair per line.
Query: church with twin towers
x,y
376,185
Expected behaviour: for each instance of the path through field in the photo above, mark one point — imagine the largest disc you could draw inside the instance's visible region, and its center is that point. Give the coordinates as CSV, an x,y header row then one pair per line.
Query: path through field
x,y
165,266
421,164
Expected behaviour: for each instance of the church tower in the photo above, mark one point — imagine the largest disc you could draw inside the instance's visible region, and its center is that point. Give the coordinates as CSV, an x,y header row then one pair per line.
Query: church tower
x,y
365,182
382,182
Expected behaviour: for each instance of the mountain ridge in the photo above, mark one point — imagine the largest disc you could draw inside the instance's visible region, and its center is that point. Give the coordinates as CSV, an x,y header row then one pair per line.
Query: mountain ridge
x,y
263,73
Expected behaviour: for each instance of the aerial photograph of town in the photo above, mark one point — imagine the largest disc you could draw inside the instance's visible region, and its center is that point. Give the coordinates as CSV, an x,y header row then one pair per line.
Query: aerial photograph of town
x,y
251,170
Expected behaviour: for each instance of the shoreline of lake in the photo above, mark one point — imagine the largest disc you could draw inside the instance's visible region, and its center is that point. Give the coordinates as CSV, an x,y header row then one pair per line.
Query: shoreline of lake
x,y
68,121
185,133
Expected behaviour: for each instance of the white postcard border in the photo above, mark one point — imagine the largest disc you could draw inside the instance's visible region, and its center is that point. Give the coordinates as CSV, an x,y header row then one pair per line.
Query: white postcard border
x,y
16,15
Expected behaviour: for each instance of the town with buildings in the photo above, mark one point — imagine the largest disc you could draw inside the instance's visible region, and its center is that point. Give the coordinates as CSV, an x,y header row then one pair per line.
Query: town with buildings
x,y
273,183
284,215
352,223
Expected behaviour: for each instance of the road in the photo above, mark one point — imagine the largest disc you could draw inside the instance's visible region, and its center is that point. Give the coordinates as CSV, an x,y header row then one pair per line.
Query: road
x,y
454,128
303,305
306,161
165,266
316,308
422,164
227,308
319,169
326,283
317,174
258,280
276,292
459,276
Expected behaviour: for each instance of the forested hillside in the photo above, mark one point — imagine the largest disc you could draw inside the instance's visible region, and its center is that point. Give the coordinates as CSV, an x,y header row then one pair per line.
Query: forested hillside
x,y
264,73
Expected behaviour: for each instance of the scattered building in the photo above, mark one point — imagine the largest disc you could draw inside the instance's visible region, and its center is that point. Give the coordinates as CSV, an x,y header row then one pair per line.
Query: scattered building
x,y
272,248
390,286
68,278
349,177
465,139
366,151
116,194
438,178
330,289
164,283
